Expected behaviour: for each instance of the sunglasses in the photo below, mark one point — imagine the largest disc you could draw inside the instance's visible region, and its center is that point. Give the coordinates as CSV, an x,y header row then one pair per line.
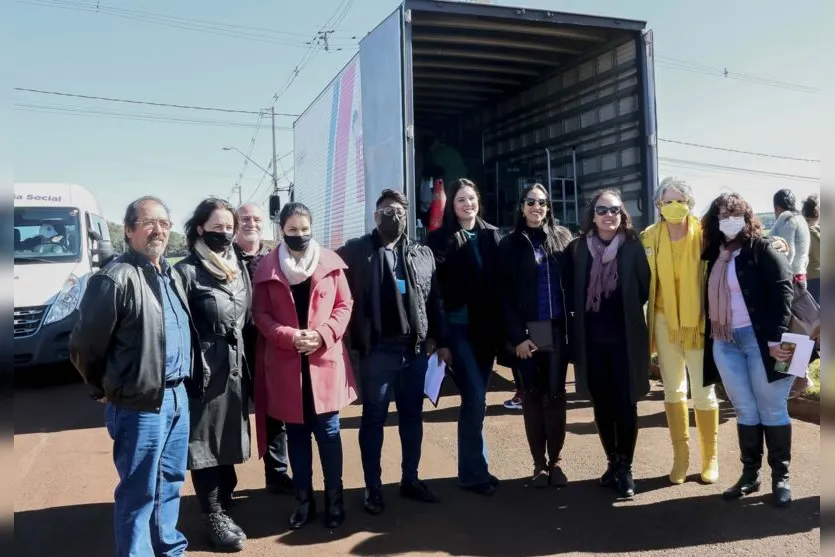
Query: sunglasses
x,y
530,202
601,210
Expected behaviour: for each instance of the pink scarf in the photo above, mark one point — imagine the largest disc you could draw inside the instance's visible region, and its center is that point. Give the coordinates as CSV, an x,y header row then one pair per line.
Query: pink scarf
x,y
603,278
719,298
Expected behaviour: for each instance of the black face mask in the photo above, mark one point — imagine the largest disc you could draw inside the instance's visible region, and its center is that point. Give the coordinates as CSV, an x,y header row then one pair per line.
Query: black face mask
x,y
299,244
218,242
391,227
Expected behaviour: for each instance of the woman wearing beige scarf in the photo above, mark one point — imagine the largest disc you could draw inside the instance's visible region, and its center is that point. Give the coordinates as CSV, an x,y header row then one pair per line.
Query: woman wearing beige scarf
x,y
676,325
749,295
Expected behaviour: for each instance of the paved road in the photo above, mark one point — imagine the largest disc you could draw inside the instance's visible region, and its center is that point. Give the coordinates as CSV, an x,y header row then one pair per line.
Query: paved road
x,y
65,483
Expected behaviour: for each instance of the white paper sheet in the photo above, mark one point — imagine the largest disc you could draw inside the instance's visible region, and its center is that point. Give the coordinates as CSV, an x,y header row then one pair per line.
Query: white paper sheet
x,y
804,346
435,373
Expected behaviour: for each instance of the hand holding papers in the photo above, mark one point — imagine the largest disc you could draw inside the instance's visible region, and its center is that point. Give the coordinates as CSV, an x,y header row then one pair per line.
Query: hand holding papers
x,y
801,347
435,373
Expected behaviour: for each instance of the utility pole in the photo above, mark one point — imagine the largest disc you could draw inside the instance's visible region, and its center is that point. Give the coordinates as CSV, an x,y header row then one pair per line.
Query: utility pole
x,y
275,174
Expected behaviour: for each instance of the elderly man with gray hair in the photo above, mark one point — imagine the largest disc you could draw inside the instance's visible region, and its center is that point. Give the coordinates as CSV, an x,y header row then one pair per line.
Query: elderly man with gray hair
x,y
250,247
675,316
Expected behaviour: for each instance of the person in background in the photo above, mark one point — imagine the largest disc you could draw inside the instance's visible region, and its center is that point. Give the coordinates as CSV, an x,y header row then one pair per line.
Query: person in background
x,y
532,294
250,249
749,295
219,296
139,359
609,280
811,212
791,227
466,256
675,318
396,324
302,307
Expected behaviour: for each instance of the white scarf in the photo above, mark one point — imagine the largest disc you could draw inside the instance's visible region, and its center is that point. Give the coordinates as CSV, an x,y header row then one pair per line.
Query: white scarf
x,y
223,267
299,271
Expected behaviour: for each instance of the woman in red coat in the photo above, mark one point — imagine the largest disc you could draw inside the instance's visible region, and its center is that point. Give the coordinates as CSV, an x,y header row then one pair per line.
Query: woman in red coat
x,y
301,306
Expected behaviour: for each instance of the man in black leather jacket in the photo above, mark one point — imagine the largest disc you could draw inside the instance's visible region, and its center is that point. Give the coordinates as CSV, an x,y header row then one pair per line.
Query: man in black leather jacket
x,y
249,248
135,346
396,323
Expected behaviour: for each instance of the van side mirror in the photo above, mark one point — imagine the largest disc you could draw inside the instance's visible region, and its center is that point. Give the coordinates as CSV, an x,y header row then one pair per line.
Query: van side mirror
x,y
102,253
94,235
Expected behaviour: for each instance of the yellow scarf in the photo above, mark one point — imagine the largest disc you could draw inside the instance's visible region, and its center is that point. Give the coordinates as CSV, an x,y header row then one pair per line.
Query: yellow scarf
x,y
684,310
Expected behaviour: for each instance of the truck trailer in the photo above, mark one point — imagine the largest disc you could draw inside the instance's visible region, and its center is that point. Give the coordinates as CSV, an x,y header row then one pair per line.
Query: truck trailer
x,y
505,96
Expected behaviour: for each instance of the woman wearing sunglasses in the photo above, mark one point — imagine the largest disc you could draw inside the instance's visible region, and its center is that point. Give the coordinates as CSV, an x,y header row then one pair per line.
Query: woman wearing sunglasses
x,y
749,295
533,308
676,326
466,256
609,280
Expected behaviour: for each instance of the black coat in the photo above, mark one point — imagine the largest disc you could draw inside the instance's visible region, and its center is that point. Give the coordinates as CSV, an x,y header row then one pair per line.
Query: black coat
x,y
250,332
634,277
765,279
464,283
220,419
118,342
425,308
519,293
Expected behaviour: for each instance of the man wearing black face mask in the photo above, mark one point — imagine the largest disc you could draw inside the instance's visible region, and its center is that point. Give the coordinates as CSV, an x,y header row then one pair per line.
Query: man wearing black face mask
x,y
396,324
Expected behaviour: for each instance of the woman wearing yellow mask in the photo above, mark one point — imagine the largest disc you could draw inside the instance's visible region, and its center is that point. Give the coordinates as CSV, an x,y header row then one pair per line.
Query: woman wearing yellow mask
x,y
675,316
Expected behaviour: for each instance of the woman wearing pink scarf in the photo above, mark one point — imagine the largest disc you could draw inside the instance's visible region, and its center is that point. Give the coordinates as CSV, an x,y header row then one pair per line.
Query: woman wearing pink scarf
x,y
609,284
749,295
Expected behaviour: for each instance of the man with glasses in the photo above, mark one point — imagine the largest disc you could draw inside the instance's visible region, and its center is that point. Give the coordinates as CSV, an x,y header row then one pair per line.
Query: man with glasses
x,y
135,344
396,324
250,248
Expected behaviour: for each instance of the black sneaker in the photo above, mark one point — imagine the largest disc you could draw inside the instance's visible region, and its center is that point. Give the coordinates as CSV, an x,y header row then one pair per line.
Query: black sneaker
x,y
494,481
556,477
488,489
221,535
417,490
374,501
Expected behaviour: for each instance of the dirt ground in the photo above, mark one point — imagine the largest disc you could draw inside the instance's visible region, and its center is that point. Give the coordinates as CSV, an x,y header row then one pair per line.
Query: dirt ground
x,y
65,482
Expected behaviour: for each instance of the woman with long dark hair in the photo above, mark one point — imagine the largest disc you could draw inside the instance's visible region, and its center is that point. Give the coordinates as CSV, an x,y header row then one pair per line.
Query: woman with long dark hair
x,y
749,296
466,255
535,317
610,280
302,308
219,295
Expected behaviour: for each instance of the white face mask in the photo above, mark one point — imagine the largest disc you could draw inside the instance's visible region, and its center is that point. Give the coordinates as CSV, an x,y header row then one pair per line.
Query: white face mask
x,y
731,226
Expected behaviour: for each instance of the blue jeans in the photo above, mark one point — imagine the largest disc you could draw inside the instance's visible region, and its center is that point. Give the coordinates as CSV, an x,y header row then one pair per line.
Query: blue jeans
x,y
150,452
325,427
472,381
392,366
741,367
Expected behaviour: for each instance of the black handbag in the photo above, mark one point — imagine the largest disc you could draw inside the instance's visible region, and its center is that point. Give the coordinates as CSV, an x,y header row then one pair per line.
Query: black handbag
x,y
541,333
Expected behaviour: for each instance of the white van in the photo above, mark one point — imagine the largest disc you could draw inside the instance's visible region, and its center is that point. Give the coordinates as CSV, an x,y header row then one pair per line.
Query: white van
x,y
60,238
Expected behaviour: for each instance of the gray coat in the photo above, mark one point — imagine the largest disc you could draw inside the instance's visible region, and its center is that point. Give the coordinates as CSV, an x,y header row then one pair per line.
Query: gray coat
x,y
793,229
220,419
634,277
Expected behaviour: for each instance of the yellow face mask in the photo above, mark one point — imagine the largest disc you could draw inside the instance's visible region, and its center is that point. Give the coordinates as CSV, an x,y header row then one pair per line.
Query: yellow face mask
x,y
675,212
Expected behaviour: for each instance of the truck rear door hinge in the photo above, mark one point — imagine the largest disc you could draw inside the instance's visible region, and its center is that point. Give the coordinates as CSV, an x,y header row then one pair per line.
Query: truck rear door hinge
x,y
407,16
652,140
410,132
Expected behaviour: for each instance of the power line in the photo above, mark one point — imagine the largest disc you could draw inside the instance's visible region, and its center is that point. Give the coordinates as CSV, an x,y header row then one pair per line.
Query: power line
x,y
752,171
729,150
150,103
259,34
138,116
716,71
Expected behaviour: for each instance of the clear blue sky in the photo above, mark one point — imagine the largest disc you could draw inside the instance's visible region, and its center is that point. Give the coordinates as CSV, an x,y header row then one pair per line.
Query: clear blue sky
x,y
79,51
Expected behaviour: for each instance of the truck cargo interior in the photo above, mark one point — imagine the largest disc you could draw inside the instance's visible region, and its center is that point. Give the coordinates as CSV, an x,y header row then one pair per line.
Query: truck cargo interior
x,y
508,102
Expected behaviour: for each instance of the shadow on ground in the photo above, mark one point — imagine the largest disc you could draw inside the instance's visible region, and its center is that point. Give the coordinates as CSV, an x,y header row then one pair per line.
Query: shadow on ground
x,y
518,521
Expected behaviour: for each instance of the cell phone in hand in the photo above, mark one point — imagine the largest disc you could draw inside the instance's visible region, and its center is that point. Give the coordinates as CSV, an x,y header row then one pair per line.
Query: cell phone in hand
x,y
783,367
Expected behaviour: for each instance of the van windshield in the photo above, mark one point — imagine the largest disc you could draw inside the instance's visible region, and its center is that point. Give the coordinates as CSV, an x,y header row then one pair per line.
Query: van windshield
x,y
46,235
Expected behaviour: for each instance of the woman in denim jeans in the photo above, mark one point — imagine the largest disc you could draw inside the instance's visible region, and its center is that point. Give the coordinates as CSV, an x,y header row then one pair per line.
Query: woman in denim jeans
x,y
749,294
465,250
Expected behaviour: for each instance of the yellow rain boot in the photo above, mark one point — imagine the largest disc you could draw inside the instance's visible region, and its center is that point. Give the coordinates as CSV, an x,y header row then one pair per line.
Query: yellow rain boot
x,y
679,424
707,423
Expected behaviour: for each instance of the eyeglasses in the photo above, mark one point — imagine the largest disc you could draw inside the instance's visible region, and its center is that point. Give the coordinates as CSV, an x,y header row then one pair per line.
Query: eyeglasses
x,y
252,219
389,211
601,210
530,202
150,223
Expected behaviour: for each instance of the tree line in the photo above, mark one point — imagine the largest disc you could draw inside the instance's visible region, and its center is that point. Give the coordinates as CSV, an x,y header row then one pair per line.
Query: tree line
x,y
176,242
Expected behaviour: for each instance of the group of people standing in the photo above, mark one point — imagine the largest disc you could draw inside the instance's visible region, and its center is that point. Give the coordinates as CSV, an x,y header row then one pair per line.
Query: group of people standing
x,y
178,355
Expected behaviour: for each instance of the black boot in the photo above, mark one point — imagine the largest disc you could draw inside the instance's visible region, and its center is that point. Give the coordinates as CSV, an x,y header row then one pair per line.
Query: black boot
x,y
334,507
778,439
305,510
221,535
606,431
533,413
751,455
624,482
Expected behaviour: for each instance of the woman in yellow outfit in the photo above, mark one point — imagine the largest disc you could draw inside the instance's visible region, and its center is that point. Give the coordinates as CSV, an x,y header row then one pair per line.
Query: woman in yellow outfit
x,y
675,316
